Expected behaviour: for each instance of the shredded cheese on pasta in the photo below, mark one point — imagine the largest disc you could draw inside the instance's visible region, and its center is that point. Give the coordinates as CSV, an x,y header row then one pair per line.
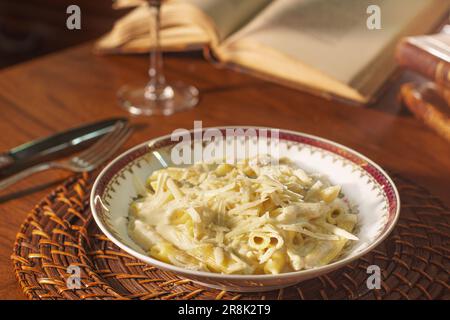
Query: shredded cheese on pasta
x,y
248,218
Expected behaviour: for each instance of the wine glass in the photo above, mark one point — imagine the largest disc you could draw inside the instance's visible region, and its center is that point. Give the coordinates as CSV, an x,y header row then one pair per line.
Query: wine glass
x,y
158,96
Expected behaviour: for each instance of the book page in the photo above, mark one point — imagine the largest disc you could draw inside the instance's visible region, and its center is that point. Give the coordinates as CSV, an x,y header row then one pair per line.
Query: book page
x,y
332,35
229,15
436,44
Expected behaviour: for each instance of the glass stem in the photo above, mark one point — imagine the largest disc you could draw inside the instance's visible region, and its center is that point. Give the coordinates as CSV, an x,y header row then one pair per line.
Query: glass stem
x,y
156,85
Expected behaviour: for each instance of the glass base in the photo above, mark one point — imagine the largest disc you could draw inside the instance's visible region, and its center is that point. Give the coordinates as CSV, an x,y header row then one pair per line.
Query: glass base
x,y
170,99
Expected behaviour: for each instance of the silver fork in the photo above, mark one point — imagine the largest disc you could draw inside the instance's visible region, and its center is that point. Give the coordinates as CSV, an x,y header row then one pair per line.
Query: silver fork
x,y
88,160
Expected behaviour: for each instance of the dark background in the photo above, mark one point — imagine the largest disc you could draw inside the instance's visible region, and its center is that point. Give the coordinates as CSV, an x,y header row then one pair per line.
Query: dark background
x,y
30,28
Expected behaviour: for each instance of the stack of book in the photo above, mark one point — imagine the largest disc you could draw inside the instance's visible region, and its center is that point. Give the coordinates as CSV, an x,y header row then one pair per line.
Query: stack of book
x,y
430,57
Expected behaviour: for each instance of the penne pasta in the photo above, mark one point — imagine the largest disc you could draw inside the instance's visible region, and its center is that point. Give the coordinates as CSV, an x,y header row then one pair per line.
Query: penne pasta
x,y
246,218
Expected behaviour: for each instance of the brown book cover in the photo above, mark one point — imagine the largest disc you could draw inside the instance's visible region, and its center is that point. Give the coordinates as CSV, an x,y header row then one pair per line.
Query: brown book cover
x,y
430,103
427,55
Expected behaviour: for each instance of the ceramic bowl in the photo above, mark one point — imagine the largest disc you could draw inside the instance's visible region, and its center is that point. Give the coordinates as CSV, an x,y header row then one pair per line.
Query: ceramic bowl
x,y
363,182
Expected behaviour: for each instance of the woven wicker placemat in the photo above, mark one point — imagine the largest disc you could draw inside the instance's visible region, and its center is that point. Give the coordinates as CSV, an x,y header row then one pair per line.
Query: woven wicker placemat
x,y
60,232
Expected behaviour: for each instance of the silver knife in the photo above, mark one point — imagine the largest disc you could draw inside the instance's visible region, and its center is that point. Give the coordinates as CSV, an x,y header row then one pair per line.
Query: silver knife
x,y
53,146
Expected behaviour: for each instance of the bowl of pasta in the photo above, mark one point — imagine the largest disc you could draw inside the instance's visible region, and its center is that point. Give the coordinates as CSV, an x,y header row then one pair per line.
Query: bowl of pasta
x,y
244,210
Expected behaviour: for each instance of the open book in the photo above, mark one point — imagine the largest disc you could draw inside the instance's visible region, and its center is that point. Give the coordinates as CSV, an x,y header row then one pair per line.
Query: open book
x,y
321,45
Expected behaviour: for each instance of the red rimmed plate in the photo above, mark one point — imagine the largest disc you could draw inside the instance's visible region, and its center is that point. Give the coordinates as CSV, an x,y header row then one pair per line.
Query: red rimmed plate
x,y
363,182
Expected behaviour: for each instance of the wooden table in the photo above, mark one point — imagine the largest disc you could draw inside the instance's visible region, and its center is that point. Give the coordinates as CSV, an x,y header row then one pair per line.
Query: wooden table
x,y
69,88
